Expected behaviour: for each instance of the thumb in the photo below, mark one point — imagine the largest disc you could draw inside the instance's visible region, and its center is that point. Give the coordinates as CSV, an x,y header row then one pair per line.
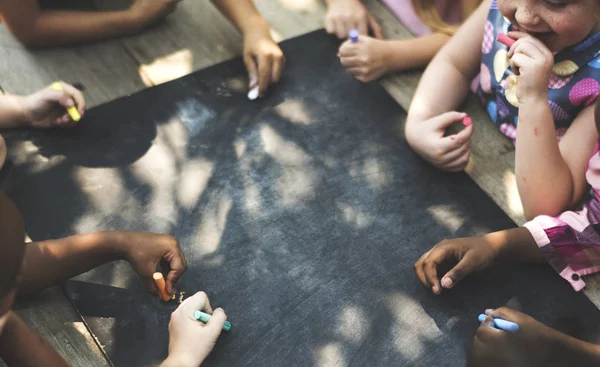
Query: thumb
x,y
443,121
66,100
464,135
252,69
457,273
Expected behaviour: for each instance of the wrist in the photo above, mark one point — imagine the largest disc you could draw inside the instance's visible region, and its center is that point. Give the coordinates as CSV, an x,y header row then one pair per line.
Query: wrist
x,y
113,244
174,360
15,112
255,24
534,99
130,21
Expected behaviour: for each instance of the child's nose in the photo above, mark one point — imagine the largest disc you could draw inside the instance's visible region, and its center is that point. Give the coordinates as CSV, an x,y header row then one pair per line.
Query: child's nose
x,y
527,16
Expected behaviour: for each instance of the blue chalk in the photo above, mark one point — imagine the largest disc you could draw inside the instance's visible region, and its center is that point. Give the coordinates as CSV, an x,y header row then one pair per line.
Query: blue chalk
x,y
502,324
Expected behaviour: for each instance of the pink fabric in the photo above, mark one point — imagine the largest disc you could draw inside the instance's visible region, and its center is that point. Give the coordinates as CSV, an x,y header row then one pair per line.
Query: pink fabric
x,y
450,11
571,241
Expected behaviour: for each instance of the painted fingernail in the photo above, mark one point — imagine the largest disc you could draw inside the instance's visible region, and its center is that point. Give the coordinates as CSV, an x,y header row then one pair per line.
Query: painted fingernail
x,y
447,282
467,121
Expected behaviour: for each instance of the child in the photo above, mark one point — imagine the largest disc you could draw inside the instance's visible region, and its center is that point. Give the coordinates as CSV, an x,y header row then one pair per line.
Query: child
x,y
570,243
432,22
546,80
27,268
35,27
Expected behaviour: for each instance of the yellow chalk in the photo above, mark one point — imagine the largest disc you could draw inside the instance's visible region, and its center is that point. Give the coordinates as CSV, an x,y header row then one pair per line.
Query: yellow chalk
x,y
72,111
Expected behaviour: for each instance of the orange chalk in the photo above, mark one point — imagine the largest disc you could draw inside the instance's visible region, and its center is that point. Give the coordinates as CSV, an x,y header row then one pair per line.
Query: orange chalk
x,y
160,284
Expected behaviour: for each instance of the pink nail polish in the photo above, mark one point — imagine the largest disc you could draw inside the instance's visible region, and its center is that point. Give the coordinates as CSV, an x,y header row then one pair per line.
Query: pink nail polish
x,y
467,121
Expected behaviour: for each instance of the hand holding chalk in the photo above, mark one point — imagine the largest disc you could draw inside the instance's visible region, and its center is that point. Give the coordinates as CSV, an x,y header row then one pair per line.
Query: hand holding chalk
x,y
71,110
502,324
190,340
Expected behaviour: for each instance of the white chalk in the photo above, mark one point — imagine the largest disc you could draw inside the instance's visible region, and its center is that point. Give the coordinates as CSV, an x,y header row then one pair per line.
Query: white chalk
x,y
253,93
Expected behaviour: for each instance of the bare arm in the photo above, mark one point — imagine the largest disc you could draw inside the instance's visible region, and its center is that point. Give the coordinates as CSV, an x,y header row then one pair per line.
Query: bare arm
x,y
551,175
11,111
446,80
21,346
414,52
49,262
37,28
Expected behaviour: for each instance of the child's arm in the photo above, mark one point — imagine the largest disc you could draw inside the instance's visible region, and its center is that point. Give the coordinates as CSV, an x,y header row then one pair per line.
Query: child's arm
x,y
37,28
44,108
345,15
534,345
473,254
442,88
52,261
21,346
263,58
550,175
369,59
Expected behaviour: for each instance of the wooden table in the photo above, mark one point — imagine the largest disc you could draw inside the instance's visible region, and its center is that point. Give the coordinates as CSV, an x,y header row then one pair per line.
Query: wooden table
x,y
194,37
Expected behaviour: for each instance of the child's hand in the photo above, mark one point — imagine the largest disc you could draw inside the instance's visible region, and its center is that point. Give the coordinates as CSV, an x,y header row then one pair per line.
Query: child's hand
x,y
471,254
529,347
46,108
147,12
144,251
345,15
191,341
263,58
449,153
366,60
532,61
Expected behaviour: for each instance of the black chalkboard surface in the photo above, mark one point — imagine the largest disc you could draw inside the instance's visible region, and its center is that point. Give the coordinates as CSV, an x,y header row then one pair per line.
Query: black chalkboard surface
x,y
301,214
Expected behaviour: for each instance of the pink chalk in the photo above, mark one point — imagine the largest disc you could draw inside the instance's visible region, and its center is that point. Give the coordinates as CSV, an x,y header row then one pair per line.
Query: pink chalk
x,y
505,40
467,121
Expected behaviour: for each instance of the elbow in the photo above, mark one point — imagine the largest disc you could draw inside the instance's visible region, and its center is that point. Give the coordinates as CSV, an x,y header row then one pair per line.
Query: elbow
x,y
29,40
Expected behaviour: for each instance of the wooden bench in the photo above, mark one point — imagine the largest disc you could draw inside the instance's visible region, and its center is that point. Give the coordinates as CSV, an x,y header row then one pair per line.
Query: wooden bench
x,y
194,37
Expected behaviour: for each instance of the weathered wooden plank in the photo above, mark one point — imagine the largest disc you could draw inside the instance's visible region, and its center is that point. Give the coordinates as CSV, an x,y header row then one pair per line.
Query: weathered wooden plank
x,y
106,69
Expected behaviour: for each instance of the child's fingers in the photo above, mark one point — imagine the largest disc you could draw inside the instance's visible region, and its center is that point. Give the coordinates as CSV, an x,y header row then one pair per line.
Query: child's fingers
x,y
439,254
453,155
215,324
350,61
197,302
347,49
329,25
445,120
464,267
362,26
277,70
375,27
505,313
517,61
265,65
76,95
252,70
341,29
459,164
418,267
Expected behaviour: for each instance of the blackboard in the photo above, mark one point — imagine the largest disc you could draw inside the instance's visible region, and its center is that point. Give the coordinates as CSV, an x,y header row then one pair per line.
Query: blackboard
x,y
301,214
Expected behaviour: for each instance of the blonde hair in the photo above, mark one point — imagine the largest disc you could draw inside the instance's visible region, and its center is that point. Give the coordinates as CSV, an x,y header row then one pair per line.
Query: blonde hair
x,y
426,10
